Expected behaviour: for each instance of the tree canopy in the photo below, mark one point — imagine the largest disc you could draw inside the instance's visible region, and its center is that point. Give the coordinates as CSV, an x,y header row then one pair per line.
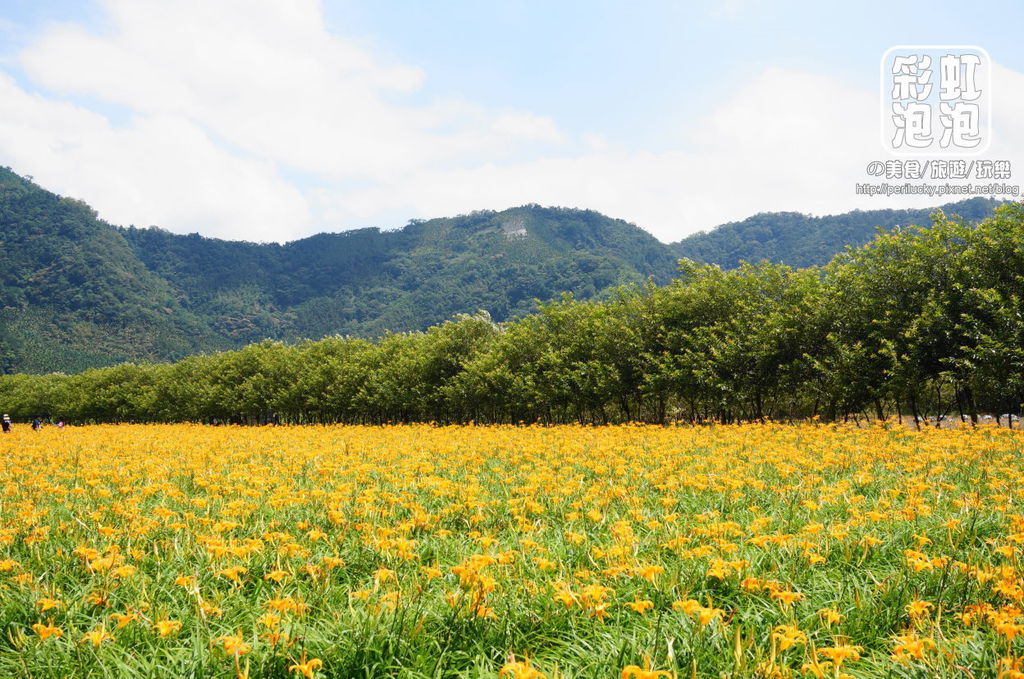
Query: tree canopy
x,y
77,293
925,321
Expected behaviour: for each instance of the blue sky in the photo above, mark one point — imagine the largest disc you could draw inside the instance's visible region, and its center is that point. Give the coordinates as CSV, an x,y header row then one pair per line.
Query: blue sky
x,y
593,63
274,119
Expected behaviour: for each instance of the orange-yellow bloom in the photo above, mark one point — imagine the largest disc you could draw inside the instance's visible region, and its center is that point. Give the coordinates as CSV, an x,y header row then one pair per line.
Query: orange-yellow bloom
x,y
46,631
166,628
307,668
96,636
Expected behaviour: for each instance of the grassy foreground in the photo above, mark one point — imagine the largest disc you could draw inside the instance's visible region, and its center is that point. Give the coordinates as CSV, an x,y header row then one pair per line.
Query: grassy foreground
x,y
418,551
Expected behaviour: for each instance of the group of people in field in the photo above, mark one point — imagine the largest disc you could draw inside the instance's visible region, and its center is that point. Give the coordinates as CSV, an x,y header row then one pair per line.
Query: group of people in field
x,y
37,424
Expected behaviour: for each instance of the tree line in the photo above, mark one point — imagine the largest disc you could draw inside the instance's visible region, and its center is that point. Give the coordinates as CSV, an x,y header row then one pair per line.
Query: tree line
x,y
921,322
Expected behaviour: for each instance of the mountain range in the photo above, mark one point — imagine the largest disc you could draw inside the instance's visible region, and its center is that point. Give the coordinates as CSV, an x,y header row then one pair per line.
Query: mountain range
x,y
77,292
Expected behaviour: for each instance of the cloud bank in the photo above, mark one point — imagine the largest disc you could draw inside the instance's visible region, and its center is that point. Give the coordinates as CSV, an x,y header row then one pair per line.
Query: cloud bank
x,y
250,119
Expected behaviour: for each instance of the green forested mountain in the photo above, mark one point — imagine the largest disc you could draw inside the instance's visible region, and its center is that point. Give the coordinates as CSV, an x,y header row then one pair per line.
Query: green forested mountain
x,y
922,321
73,294
76,292
368,281
800,240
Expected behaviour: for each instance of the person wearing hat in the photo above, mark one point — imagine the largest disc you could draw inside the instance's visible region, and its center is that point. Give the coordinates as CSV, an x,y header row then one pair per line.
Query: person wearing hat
x,y
6,423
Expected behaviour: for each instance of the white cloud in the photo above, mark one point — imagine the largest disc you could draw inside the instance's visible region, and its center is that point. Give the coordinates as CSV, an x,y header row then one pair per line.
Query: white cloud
x,y
785,141
527,126
237,92
266,77
1007,112
159,169
228,101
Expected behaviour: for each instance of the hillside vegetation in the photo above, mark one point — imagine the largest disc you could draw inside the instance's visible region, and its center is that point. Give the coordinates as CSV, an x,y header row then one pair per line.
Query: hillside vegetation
x,y
77,293
919,321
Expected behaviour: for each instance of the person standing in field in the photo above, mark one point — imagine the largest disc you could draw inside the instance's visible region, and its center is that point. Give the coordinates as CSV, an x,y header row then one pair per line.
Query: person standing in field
x,y
37,424
6,423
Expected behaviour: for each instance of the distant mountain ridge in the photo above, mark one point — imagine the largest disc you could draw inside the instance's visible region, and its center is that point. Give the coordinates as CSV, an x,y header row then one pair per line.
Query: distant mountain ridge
x,y
370,281
76,292
801,240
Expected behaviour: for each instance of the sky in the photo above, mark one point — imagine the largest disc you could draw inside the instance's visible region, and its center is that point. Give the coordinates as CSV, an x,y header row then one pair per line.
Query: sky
x,y
271,120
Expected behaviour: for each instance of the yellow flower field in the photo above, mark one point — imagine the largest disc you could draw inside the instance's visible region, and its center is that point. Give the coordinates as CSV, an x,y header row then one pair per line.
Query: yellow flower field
x,y
417,551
